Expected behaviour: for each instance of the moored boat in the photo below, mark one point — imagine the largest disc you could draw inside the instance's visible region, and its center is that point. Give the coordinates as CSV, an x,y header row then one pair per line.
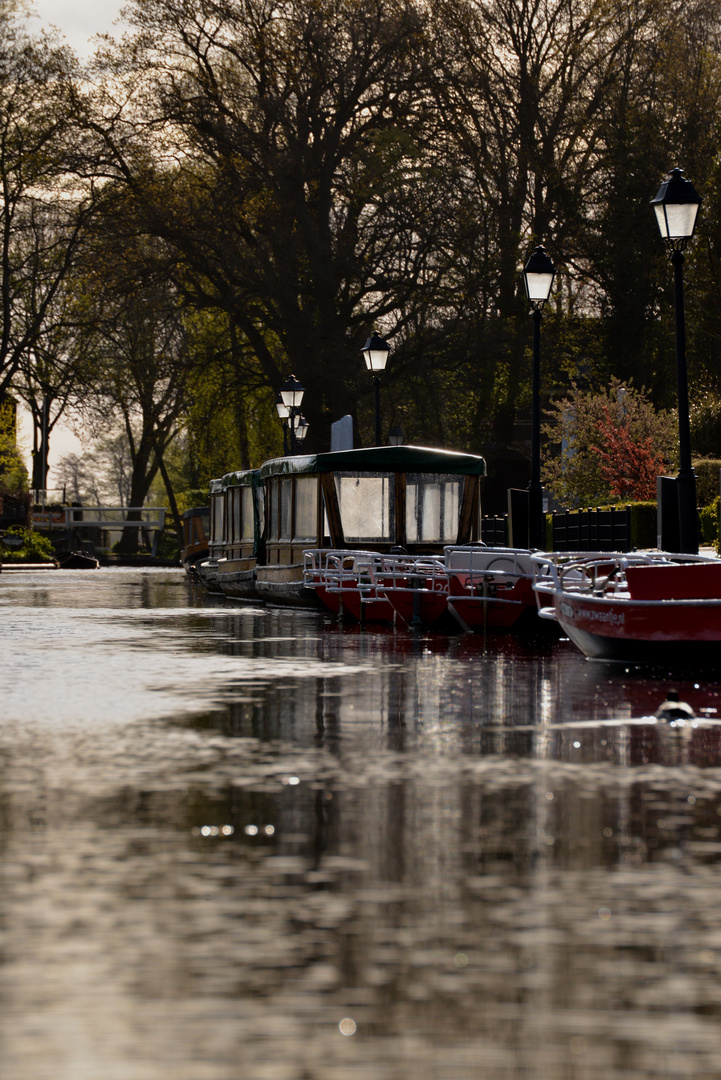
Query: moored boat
x,y
236,526
651,608
490,588
373,587
195,538
471,586
368,501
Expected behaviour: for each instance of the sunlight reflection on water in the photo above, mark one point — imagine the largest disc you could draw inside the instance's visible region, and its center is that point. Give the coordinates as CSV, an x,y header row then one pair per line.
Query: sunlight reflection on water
x,y
238,842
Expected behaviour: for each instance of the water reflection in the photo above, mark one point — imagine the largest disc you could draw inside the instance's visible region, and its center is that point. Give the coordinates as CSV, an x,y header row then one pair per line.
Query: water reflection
x,y
244,842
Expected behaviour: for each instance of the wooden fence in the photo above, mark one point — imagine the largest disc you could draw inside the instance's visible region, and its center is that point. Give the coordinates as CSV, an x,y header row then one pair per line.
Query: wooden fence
x,y
572,530
591,530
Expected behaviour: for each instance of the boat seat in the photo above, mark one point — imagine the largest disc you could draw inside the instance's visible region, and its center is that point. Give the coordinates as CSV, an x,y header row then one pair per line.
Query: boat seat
x,y
682,581
486,560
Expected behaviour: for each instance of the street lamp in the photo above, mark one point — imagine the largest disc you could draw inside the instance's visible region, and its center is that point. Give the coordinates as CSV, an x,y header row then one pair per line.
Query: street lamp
x,y
301,428
291,393
676,206
376,352
538,275
396,436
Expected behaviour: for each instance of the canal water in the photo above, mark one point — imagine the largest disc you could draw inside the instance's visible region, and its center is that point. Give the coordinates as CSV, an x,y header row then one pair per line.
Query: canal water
x,y
248,844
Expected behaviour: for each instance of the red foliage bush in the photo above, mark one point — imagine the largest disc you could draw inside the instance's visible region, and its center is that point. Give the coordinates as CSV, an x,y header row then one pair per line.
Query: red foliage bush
x,y
630,467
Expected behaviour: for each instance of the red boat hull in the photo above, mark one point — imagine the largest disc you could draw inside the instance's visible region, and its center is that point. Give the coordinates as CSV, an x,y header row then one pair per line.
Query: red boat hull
x,y
425,606
366,607
499,609
636,630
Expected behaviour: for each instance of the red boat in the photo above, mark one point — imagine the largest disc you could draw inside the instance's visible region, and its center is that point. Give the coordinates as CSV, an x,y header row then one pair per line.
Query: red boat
x,y
641,608
417,588
470,586
366,584
490,588
475,587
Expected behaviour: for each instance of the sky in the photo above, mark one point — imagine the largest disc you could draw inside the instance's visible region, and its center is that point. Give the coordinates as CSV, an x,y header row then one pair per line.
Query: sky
x,y
79,20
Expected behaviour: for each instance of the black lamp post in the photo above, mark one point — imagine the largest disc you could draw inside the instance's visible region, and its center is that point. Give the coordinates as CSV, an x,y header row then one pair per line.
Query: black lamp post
x,y
292,392
676,206
283,414
538,275
376,352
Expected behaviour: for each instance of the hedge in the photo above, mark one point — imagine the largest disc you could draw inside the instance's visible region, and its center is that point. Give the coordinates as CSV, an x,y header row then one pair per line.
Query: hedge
x,y
708,471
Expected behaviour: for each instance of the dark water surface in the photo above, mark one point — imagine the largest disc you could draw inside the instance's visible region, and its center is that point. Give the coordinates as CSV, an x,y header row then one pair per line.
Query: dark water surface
x,y
244,844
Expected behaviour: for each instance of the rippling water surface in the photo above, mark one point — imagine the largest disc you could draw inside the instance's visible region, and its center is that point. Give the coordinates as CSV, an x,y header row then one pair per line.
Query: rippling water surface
x,y
247,844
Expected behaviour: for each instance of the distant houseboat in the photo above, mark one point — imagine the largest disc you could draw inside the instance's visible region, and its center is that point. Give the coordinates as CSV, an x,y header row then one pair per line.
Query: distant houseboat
x,y
196,529
262,521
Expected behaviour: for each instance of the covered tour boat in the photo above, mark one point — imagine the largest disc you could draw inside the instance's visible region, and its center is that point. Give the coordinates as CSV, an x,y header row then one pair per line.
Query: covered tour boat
x,y
236,531
653,607
277,531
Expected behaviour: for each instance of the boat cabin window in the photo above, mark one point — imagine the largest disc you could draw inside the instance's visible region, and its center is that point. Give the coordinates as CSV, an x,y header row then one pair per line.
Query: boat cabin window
x,y
247,522
273,500
218,507
234,508
292,517
285,508
432,508
306,508
239,507
280,508
366,503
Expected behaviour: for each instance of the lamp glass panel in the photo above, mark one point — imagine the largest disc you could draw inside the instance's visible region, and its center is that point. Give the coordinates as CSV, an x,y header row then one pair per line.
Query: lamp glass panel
x,y
538,286
376,359
292,398
681,218
661,219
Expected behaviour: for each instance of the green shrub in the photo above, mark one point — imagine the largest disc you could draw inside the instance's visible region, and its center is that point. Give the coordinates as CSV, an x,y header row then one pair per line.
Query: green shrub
x,y
14,478
709,516
705,418
187,500
168,547
34,549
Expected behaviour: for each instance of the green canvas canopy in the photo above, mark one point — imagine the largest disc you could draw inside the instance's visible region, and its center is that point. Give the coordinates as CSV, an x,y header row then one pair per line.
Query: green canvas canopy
x,y
244,478
401,459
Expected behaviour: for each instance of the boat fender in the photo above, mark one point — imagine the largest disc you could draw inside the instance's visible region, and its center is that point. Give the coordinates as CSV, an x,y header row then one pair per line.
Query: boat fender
x,y
672,709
